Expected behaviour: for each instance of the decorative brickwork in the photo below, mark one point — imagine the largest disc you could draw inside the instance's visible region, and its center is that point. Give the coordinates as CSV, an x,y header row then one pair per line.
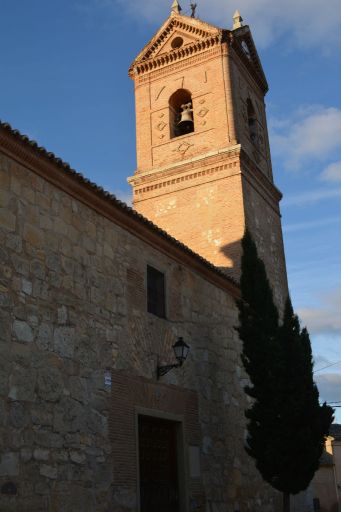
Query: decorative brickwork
x,y
219,177
131,396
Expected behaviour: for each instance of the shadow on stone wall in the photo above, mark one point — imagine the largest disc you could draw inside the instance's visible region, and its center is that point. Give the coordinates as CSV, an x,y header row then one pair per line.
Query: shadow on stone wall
x,y
232,252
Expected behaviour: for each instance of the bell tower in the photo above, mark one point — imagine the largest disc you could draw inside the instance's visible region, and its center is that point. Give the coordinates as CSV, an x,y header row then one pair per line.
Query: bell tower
x,y
203,159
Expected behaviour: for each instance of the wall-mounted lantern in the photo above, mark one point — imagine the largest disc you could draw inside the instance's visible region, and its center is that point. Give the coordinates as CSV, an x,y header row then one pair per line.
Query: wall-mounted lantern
x,y
181,350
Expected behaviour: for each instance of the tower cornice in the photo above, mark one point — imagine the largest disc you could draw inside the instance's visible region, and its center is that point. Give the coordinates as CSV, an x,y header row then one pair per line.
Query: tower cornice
x,y
206,36
139,68
212,166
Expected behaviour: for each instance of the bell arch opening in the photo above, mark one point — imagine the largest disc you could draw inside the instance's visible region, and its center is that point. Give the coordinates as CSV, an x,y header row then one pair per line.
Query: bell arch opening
x,y
252,122
180,113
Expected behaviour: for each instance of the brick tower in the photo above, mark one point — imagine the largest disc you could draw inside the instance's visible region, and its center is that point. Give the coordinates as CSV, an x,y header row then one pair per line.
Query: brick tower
x,y
203,159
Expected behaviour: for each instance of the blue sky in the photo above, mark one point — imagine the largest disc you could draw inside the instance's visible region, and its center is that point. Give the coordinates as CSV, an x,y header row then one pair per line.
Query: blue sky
x,y
64,82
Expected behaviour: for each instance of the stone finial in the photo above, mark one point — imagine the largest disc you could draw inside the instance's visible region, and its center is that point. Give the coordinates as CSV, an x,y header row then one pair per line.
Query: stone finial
x,y
176,7
237,20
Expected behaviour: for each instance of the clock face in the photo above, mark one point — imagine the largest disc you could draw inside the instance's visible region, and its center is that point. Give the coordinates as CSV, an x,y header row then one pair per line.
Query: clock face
x,y
246,50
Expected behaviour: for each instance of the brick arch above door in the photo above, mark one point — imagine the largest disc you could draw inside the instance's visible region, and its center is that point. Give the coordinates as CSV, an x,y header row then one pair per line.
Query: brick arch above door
x,y
130,396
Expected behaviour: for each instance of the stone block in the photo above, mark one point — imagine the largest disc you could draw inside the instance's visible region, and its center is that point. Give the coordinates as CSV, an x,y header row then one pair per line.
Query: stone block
x,y
38,269
21,353
14,242
49,384
70,416
77,457
22,384
45,221
33,235
45,337
22,331
47,439
4,379
78,388
41,415
9,464
7,220
44,489
85,352
62,315
48,471
26,286
25,454
3,412
5,298
125,498
74,498
64,341
18,415
41,454
21,265
4,178
52,262
5,326
60,456
4,198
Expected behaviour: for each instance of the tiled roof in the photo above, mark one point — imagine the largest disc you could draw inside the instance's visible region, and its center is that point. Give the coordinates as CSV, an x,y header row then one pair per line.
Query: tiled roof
x,y
111,198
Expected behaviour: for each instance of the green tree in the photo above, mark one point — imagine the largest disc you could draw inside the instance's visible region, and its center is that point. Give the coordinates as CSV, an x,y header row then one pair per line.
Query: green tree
x,y
286,424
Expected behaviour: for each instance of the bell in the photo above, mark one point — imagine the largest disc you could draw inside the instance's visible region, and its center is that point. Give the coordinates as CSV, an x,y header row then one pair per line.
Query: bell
x,y
186,121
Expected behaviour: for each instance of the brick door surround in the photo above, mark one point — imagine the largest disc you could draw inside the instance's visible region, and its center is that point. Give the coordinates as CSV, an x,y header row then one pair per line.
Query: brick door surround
x,y
131,397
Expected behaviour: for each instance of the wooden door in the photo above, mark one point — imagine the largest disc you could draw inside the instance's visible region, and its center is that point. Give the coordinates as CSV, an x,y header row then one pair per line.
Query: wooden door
x,y
159,490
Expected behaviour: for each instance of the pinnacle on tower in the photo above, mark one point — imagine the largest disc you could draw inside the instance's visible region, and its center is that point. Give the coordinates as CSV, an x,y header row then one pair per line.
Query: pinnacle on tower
x,y
176,7
237,20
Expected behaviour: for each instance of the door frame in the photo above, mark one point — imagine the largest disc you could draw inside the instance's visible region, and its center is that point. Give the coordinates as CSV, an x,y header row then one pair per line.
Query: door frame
x,y
182,459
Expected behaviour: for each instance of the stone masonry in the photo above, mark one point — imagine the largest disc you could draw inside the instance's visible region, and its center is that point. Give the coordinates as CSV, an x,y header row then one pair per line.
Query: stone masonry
x,y
78,349
73,307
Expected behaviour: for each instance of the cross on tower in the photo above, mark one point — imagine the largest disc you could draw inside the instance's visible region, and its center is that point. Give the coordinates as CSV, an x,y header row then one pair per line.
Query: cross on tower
x,y
193,9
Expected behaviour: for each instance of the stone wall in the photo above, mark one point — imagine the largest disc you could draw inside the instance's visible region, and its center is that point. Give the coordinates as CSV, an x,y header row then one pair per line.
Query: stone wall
x,y
73,307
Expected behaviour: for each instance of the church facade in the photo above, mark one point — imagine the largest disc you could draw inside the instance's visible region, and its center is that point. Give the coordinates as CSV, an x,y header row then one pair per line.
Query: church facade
x,y
95,295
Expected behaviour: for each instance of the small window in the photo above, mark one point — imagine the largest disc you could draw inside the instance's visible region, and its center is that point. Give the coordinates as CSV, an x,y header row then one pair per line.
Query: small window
x,y
252,122
156,292
246,50
177,43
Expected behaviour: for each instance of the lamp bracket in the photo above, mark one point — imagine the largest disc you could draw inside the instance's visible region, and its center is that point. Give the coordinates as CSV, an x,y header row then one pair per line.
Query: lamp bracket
x,y
162,370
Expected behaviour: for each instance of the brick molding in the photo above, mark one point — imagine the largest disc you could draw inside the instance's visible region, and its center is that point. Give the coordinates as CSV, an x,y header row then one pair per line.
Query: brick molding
x,y
132,396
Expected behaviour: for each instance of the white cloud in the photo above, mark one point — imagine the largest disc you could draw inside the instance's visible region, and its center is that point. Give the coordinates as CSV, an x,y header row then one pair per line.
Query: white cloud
x,y
327,317
311,197
303,226
311,134
303,23
332,172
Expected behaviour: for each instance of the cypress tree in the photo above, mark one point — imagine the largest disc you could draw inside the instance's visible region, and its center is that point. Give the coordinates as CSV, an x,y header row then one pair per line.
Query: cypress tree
x,y
304,423
286,424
